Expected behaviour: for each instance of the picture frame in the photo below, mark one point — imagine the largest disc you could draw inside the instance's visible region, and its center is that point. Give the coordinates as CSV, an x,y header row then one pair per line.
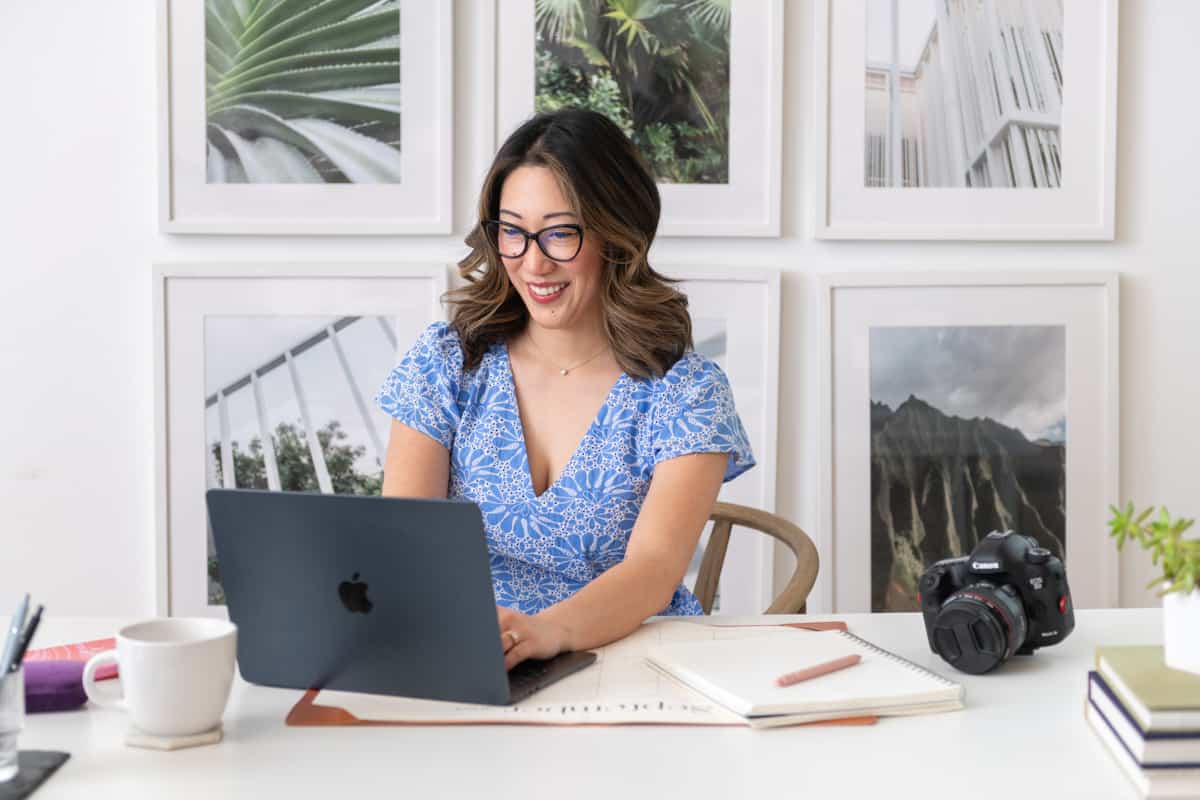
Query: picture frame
x,y
992,386
735,321
287,348
958,127
748,203
312,141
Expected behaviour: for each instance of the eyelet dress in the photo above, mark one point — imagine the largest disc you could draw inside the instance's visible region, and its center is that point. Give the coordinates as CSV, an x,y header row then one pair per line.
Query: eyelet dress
x,y
544,548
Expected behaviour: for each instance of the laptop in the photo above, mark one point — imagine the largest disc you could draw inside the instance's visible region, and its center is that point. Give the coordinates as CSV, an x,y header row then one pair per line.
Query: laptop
x,y
381,595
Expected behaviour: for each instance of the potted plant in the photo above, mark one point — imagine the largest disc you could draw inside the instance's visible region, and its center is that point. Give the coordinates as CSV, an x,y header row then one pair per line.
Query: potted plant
x,y
1179,584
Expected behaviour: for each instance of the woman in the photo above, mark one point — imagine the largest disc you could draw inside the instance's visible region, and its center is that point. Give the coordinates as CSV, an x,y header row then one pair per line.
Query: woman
x,y
564,397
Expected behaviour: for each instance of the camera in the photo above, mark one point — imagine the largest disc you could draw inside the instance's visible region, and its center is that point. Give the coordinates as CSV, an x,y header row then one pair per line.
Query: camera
x,y
1008,596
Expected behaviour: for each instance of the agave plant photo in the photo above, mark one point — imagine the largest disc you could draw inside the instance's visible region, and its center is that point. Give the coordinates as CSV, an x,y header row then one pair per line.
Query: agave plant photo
x,y
658,69
302,91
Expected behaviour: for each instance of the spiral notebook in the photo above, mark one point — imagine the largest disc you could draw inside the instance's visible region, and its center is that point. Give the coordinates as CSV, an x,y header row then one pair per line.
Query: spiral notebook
x,y
740,675
620,688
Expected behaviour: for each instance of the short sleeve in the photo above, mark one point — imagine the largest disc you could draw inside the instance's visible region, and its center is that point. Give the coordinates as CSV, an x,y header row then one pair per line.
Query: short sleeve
x,y
422,391
695,414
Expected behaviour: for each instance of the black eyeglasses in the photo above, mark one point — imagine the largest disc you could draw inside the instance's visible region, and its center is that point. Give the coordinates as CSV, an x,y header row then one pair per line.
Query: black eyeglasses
x,y
557,242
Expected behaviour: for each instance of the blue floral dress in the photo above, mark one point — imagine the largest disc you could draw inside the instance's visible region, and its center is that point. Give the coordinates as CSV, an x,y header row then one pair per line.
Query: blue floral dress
x,y
545,547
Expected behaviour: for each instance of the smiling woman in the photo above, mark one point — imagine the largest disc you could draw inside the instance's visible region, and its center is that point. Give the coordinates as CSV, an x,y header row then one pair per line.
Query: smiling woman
x,y
564,397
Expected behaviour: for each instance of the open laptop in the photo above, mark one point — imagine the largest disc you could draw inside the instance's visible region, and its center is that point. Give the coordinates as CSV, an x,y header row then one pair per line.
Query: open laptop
x,y
367,594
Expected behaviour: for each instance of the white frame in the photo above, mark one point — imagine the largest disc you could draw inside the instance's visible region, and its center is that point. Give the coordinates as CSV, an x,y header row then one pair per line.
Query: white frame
x,y
748,573
1092,562
1083,209
422,206
321,282
755,121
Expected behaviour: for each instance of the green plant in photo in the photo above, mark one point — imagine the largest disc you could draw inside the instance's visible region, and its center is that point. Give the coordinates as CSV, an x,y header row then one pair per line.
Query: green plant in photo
x,y
563,86
658,69
1179,558
294,462
302,91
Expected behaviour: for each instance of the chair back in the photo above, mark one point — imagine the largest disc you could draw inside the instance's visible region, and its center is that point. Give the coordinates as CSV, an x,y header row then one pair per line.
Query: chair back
x,y
724,516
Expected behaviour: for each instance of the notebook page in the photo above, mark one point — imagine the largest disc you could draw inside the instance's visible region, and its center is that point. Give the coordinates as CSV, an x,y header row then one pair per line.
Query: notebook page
x,y
619,688
741,674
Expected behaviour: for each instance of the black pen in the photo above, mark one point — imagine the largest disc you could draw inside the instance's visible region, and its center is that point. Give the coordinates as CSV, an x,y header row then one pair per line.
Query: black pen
x,y
14,635
26,638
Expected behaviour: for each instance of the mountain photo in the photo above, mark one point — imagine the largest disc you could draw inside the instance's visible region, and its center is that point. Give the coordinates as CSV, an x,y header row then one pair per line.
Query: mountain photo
x,y
968,435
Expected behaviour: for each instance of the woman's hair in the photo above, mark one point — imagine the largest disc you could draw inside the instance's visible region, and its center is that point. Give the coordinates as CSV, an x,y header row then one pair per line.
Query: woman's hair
x,y
610,188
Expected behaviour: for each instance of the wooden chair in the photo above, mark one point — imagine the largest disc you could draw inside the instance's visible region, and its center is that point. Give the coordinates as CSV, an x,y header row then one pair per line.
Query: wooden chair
x,y
724,516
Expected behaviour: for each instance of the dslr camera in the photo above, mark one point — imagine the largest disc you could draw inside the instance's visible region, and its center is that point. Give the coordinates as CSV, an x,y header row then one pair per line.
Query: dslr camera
x,y
1008,596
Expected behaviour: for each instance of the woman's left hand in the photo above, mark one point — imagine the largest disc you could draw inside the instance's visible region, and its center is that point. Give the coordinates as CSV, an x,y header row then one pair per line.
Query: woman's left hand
x,y
523,636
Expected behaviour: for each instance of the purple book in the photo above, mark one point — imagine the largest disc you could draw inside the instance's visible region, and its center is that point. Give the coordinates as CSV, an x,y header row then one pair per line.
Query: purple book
x,y
53,686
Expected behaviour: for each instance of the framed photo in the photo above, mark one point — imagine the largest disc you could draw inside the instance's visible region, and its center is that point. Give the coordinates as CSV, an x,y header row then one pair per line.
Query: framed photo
x,y
265,377
959,119
735,322
697,86
959,404
318,118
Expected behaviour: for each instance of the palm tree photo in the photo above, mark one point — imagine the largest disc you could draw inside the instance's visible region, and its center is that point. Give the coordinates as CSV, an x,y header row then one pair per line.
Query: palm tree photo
x,y
658,69
302,91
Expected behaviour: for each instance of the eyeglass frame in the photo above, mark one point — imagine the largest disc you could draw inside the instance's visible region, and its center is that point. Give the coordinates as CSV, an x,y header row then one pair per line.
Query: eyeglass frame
x,y
533,236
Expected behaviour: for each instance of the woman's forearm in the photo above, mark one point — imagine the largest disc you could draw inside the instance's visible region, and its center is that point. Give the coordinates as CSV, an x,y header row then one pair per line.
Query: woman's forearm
x,y
613,605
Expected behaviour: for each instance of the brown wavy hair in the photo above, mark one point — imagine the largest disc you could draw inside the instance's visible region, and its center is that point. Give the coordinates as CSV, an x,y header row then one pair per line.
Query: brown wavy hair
x,y
610,188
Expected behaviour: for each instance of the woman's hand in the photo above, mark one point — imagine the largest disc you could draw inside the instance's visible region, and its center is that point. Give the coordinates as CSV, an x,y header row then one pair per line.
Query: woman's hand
x,y
523,636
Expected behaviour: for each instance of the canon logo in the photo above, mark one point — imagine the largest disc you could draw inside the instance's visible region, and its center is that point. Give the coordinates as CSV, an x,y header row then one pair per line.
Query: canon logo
x,y
985,565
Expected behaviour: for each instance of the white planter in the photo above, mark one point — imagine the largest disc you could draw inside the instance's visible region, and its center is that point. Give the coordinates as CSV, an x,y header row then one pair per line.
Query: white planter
x,y
1181,630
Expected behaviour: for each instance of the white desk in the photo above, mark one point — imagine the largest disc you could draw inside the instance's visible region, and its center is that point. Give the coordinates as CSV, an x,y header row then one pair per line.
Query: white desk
x,y
1021,735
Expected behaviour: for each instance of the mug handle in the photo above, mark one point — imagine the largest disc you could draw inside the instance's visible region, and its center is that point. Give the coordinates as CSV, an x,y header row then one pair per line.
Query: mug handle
x,y
104,699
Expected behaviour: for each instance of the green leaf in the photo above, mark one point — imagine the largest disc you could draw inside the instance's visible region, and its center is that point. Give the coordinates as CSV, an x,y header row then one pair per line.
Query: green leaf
x,y
325,58
215,59
242,7
349,33
228,15
559,20
382,97
293,19
288,105
221,169
593,54
219,37
712,14
268,160
271,62
360,158
315,79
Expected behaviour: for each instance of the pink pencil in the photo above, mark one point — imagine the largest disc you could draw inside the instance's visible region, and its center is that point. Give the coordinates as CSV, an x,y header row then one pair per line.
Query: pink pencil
x,y
817,670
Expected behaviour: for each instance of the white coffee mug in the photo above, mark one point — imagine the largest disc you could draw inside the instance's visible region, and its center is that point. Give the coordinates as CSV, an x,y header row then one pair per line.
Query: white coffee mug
x,y
175,674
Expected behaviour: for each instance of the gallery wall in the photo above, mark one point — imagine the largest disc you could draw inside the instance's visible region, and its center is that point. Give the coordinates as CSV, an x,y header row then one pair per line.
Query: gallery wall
x,y
78,223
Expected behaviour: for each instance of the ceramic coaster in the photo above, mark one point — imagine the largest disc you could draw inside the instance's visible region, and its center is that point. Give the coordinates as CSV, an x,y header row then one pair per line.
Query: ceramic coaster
x,y
136,738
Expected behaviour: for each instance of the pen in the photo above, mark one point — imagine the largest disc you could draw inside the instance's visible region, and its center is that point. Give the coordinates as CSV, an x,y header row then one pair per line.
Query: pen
x,y
789,678
14,634
26,638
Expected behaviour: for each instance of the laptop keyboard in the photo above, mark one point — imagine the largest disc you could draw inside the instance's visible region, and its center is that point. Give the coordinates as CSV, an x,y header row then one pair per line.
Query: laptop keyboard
x,y
532,674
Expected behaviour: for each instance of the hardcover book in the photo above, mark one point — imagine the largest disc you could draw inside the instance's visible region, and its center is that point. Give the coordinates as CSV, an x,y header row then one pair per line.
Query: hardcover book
x,y
1158,697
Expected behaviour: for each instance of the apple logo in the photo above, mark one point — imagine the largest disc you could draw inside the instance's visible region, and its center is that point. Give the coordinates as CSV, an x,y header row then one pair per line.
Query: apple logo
x,y
353,594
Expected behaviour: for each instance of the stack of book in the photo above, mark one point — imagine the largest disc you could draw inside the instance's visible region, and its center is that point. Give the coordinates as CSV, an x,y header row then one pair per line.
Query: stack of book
x,y
1148,716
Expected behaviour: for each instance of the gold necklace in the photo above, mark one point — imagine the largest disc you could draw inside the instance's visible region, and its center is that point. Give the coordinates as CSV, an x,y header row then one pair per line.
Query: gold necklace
x,y
565,370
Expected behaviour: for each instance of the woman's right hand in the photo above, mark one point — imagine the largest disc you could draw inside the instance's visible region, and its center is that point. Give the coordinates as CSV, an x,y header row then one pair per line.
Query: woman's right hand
x,y
523,636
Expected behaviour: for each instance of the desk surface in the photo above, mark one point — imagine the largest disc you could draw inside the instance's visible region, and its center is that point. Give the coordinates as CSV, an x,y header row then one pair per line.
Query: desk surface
x,y
1022,732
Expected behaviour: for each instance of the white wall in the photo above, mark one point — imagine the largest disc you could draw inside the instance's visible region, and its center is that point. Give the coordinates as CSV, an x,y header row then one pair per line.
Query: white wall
x,y
78,232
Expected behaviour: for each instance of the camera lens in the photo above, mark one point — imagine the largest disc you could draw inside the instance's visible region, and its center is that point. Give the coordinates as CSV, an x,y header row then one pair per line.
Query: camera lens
x,y
979,627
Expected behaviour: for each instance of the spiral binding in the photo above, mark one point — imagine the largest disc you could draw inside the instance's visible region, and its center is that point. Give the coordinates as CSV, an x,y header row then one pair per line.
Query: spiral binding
x,y
874,648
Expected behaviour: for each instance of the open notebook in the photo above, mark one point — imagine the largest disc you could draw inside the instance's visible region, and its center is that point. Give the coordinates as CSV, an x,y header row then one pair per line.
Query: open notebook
x,y
621,688
740,675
